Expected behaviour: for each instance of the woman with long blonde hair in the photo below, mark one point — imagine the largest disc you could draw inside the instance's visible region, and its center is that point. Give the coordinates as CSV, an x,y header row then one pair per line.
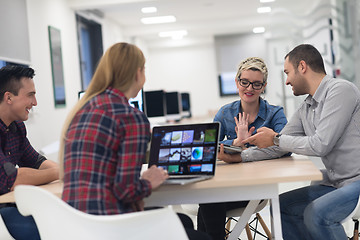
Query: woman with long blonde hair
x,y
104,139
104,142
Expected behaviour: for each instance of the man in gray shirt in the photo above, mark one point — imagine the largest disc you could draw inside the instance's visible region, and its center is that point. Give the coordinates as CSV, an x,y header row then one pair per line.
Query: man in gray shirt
x,y
326,125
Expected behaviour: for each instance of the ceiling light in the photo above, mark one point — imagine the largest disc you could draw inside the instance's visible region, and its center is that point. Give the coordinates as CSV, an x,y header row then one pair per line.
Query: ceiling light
x,y
258,30
264,9
174,34
149,10
266,1
160,19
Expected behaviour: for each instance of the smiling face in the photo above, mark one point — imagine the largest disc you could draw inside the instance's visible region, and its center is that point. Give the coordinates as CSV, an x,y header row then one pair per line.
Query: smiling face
x,y
21,104
294,78
249,94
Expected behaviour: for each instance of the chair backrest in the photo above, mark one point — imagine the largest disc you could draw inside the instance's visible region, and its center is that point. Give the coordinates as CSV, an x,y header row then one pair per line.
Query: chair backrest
x,y
56,219
4,233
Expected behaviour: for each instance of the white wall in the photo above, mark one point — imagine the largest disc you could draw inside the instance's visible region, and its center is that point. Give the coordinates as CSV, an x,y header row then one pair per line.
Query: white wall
x,y
231,49
45,121
190,69
187,69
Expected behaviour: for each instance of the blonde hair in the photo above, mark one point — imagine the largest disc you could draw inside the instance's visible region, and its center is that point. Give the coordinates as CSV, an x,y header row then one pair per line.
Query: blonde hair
x,y
252,63
117,68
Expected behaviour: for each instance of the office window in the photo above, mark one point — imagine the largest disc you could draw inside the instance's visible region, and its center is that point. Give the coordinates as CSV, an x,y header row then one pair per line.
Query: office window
x,y
90,48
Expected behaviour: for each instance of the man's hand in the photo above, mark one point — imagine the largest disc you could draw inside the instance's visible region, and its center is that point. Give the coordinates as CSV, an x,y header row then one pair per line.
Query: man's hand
x,y
262,139
228,158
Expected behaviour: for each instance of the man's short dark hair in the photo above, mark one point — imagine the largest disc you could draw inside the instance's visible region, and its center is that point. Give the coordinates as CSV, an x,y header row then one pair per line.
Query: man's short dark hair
x,y
309,54
10,78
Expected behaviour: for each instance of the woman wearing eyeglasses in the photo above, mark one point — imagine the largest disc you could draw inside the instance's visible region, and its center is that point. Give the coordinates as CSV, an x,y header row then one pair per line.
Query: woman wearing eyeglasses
x,y
239,120
242,118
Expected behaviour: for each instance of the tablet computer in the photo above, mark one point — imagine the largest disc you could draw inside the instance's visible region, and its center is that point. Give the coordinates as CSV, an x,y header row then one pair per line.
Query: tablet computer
x,y
230,149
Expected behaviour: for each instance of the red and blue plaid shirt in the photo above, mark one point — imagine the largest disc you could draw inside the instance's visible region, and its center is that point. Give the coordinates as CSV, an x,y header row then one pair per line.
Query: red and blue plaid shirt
x,y
15,150
104,151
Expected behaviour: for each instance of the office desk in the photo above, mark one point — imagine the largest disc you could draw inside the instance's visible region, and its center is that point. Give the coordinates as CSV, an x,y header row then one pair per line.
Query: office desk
x,y
232,182
245,181
54,187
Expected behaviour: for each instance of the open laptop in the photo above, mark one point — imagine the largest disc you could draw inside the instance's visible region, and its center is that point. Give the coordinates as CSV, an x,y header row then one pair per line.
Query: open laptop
x,y
188,152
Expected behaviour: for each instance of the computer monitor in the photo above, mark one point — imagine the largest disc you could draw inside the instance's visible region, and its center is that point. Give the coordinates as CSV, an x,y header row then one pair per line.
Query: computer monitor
x,y
81,94
173,106
155,109
138,101
227,84
185,103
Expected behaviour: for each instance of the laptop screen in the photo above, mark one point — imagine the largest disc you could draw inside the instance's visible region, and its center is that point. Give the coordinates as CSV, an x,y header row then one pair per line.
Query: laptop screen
x,y
185,149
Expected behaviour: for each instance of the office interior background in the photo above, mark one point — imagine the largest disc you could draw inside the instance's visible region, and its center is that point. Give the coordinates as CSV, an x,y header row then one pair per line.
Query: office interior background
x,y
218,35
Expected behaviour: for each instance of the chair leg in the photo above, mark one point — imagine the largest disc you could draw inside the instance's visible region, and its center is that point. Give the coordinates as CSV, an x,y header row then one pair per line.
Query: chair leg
x,y
356,230
228,223
227,227
248,228
266,229
248,232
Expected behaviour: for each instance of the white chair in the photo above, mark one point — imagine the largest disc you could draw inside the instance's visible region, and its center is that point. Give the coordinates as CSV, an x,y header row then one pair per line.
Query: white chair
x,y
238,212
56,220
4,233
355,216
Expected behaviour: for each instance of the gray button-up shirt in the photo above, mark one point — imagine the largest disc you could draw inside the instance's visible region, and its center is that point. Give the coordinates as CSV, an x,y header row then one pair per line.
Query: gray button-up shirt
x,y
326,125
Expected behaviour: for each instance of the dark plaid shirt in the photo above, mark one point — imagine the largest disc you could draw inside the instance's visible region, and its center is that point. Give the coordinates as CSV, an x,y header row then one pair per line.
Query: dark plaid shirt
x,y
15,150
104,151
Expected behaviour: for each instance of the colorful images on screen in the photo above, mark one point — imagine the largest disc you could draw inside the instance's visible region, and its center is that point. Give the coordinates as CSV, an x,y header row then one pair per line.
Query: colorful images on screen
x,y
188,150
197,153
210,135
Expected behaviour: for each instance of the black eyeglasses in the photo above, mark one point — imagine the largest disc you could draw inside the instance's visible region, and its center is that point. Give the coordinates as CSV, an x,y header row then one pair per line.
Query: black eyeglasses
x,y
255,85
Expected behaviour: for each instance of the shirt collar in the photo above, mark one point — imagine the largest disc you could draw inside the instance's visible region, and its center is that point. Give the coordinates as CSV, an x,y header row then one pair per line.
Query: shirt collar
x,y
319,93
262,109
4,128
116,92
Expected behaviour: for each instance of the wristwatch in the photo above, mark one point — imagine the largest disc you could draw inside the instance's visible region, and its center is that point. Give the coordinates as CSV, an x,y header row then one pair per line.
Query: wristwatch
x,y
276,139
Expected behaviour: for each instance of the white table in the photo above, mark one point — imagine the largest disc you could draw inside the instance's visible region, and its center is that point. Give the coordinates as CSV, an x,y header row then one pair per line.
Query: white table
x,y
243,181
232,182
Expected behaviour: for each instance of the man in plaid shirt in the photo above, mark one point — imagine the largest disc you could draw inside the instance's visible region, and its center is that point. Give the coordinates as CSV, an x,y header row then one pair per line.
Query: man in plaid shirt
x,y
20,163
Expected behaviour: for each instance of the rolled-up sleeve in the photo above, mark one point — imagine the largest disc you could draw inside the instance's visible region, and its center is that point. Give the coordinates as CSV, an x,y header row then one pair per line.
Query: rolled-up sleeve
x,y
8,173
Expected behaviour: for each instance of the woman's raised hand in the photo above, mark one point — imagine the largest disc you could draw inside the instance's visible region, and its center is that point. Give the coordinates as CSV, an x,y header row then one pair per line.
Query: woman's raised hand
x,y
241,129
